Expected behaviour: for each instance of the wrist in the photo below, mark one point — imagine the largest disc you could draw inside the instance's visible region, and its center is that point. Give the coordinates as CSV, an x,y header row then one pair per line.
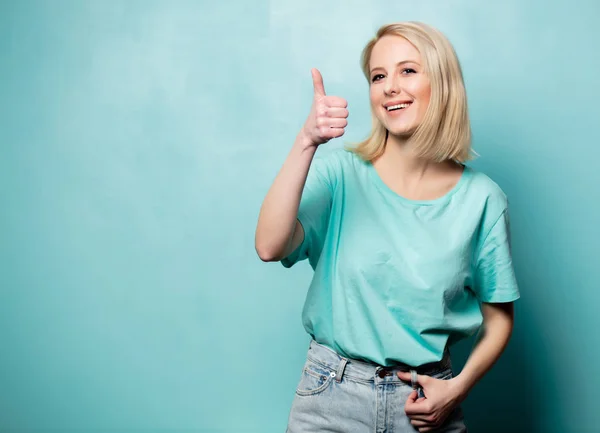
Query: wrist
x,y
462,386
304,142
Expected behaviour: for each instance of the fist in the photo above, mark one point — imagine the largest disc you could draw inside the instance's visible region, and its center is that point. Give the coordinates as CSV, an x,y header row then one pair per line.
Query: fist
x,y
328,114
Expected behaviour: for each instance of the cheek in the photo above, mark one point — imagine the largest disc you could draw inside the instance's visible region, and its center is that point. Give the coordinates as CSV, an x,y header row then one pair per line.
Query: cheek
x,y
426,91
372,96
424,95
375,101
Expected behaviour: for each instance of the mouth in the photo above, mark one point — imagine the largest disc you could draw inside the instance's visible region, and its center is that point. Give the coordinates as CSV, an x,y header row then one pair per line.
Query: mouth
x,y
396,107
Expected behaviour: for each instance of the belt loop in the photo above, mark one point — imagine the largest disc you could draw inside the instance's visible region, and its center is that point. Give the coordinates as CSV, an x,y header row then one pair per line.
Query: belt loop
x,y
413,378
415,383
340,369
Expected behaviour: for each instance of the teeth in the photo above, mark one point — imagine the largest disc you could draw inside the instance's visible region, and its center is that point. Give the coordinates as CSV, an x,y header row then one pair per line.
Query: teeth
x,y
396,107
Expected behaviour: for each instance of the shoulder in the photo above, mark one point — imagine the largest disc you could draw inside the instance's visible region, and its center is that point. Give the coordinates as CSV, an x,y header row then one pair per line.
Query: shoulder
x,y
335,162
486,191
336,156
486,199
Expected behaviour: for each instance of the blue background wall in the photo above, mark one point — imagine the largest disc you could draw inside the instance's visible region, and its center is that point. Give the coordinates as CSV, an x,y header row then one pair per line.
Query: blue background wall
x,y
138,139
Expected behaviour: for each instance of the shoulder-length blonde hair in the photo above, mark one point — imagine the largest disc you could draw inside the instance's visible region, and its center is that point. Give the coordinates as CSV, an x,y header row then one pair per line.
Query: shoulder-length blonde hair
x,y
445,132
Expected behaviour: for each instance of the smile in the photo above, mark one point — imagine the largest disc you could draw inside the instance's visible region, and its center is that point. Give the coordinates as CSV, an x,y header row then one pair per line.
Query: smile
x,y
397,107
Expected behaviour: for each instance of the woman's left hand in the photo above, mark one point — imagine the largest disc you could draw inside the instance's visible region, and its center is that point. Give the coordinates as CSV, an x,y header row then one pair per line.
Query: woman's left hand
x,y
441,398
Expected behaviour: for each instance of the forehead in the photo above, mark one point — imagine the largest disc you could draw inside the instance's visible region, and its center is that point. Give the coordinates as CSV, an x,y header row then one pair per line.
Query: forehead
x,y
391,49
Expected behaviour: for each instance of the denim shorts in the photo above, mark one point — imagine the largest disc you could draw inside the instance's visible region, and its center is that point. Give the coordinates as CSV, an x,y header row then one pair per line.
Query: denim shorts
x,y
337,394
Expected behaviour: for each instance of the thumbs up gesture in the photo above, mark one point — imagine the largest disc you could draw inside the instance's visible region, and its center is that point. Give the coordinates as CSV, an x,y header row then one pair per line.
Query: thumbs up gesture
x,y
328,114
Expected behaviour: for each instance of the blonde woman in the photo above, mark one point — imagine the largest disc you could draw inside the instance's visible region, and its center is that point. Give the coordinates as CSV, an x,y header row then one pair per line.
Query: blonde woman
x,y
410,247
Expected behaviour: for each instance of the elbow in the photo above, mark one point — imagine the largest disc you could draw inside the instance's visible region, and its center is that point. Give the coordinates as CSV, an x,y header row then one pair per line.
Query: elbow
x,y
267,253
268,247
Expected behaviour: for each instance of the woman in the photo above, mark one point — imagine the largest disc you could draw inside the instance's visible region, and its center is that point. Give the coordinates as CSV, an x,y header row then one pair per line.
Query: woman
x,y
410,247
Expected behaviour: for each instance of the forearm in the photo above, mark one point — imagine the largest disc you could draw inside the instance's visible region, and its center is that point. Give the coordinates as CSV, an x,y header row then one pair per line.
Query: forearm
x,y
277,218
493,339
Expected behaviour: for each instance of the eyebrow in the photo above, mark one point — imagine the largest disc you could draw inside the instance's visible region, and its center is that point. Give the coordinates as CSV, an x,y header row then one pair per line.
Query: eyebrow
x,y
397,64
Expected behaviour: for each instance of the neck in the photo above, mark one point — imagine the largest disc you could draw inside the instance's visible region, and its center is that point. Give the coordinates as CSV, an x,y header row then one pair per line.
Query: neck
x,y
400,158
399,154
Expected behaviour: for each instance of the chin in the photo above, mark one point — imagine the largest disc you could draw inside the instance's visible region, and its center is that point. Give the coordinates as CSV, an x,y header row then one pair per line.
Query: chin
x,y
402,131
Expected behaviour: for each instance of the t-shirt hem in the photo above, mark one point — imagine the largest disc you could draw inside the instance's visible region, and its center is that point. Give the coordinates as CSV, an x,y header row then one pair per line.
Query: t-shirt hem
x,y
502,298
292,258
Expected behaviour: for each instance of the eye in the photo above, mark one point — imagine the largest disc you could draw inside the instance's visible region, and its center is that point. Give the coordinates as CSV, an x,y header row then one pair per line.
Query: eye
x,y
375,77
409,71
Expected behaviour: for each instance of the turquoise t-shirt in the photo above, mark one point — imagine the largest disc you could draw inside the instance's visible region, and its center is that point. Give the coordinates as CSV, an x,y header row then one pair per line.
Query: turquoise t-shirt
x,y
399,280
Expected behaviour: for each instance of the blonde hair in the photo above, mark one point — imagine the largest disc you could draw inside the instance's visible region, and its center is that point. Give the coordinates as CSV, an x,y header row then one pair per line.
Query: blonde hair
x,y
445,132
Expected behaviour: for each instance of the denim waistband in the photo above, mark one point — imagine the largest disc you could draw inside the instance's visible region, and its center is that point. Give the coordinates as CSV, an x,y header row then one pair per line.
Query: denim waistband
x,y
367,371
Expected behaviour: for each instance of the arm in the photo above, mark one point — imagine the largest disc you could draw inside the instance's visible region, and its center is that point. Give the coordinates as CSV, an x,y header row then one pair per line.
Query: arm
x,y
278,233
498,320
496,287
442,396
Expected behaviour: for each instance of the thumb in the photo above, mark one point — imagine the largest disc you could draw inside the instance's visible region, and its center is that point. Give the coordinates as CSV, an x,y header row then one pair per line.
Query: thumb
x,y
317,82
406,377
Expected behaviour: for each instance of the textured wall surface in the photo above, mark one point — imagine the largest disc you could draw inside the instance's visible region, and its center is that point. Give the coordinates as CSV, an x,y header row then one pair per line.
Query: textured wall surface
x,y
138,139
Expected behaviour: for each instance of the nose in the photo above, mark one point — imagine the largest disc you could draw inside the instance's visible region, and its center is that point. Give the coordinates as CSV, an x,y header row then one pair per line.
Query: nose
x,y
391,85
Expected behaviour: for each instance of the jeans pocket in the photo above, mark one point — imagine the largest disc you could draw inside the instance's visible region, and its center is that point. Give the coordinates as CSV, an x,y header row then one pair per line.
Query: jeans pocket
x,y
315,379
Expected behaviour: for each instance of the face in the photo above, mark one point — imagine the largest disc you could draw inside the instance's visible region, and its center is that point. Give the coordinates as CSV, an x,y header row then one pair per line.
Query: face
x,y
400,89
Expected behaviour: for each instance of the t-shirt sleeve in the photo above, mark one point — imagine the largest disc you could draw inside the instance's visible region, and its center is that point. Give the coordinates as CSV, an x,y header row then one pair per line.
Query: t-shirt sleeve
x,y
314,211
495,279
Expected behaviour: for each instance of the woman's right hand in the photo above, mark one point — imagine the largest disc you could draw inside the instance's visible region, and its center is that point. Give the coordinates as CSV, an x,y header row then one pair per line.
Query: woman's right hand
x,y
327,117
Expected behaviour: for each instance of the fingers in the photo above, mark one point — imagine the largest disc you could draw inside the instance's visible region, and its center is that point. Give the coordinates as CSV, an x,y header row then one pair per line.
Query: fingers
x,y
416,406
420,423
335,101
327,118
423,422
319,88
404,376
334,132
422,379
335,112
412,397
331,122
421,413
327,133
425,425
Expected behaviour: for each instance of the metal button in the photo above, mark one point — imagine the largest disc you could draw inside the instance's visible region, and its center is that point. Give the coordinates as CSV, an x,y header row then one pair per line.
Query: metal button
x,y
332,374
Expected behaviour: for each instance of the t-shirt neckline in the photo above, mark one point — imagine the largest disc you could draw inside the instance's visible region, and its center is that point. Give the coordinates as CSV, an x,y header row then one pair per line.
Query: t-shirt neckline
x,y
444,198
